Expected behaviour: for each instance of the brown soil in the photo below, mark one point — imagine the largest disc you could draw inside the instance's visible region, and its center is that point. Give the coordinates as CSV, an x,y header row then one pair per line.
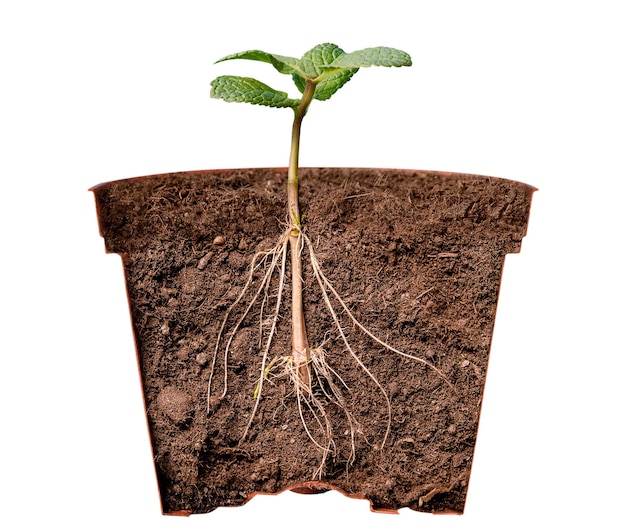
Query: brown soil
x,y
418,257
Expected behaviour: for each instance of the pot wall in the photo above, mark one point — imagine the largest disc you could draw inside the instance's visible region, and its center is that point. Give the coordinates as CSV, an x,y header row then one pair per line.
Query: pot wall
x,y
417,256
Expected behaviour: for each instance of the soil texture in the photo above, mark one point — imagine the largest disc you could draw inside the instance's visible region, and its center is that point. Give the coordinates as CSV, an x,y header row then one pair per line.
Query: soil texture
x,y
417,256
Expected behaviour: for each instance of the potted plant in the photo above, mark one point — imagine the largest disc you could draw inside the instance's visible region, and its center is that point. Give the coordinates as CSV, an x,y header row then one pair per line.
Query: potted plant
x,y
312,328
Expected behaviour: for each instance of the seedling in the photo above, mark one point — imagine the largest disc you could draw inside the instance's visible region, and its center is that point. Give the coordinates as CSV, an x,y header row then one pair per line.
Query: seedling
x,y
318,75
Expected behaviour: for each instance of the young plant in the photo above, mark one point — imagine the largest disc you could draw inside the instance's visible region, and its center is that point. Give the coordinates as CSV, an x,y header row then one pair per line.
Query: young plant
x,y
318,75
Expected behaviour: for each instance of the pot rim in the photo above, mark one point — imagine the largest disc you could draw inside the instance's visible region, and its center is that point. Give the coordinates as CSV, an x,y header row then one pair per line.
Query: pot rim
x,y
441,173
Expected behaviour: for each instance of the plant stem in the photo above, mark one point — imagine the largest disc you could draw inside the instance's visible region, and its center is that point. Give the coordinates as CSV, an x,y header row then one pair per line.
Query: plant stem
x,y
292,176
300,352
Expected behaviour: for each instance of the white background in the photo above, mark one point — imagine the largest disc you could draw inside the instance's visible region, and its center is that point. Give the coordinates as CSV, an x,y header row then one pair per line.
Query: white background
x,y
93,91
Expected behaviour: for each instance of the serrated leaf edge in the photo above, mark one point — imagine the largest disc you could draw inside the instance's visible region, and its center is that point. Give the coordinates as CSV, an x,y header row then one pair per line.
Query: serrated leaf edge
x,y
243,93
403,58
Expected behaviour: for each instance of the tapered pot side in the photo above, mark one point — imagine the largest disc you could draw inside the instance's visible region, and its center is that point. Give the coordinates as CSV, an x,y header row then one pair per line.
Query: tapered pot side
x,y
416,256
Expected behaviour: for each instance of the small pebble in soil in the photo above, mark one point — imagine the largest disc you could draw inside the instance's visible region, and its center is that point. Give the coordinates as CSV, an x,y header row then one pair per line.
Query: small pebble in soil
x,y
202,359
219,240
202,263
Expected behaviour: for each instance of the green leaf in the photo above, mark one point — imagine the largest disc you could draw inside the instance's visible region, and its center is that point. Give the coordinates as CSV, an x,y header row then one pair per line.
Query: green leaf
x,y
326,64
331,84
246,89
287,65
315,63
380,56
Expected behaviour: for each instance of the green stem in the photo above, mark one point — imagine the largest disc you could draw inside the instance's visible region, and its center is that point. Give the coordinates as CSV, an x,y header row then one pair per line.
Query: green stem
x,y
292,174
300,346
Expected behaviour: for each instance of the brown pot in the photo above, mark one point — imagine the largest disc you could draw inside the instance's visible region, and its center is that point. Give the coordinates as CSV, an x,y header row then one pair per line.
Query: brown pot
x,y
416,256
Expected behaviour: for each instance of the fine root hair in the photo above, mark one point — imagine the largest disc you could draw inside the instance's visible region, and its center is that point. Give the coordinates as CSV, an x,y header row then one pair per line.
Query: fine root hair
x,y
324,387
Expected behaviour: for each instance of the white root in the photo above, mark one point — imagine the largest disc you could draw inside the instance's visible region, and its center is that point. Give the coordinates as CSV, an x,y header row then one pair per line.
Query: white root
x,y
311,399
326,283
276,253
268,342
323,283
